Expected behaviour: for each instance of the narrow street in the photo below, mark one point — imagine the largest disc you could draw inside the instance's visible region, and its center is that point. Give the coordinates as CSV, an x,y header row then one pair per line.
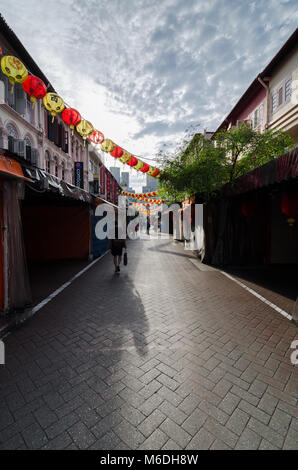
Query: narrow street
x,y
164,356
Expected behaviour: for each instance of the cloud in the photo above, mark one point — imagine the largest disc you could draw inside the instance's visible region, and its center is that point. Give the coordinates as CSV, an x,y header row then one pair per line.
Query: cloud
x,y
143,71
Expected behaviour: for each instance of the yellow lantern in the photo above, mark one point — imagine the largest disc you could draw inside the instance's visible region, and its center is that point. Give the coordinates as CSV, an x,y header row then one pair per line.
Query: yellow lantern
x,y
14,69
85,128
125,157
53,103
108,145
139,165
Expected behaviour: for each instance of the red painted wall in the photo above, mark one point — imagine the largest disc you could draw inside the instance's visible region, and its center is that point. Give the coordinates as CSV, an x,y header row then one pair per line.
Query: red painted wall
x,y
251,106
56,232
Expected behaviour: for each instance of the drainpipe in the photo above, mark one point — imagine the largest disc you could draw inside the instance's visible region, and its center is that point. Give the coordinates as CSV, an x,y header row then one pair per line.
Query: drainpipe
x,y
267,99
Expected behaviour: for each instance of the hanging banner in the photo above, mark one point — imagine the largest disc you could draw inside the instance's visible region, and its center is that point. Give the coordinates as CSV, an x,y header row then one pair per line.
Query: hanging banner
x,y
108,176
79,174
102,180
95,184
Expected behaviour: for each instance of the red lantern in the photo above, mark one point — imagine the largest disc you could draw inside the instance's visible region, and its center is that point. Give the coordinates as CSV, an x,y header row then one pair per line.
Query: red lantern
x,y
72,117
96,137
117,152
35,88
133,161
145,168
248,209
156,172
289,204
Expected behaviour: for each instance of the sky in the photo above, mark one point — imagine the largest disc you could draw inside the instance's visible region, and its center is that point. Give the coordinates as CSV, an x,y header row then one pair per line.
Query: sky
x,y
145,71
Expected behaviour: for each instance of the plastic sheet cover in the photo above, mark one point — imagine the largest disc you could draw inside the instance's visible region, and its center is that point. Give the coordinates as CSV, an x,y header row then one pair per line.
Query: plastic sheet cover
x,y
19,294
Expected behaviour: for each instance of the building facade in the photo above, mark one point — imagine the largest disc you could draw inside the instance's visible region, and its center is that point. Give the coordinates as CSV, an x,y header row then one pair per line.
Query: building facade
x,y
30,132
115,172
124,180
150,184
271,100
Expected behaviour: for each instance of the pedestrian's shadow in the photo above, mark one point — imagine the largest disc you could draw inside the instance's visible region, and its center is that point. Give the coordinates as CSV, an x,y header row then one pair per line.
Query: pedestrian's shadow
x,y
130,313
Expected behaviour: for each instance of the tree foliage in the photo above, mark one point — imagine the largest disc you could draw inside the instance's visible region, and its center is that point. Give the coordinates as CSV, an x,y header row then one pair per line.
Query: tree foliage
x,y
201,166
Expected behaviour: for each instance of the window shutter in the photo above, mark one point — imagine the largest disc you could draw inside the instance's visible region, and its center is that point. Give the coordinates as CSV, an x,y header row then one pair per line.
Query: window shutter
x,y
28,153
59,126
273,102
255,124
20,99
21,148
66,138
280,96
261,108
56,130
51,129
34,157
63,138
288,86
9,97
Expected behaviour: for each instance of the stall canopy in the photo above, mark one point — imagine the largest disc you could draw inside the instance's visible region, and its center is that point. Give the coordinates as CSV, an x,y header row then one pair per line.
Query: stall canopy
x,y
280,169
11,168
52,183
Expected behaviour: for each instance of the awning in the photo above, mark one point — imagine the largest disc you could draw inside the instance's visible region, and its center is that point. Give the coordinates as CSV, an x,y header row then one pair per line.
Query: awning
x,y
53,184
280,169
99,200
11,168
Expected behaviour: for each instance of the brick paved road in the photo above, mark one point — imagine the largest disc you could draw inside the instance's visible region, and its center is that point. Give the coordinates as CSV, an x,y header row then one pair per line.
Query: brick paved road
x,y
163,357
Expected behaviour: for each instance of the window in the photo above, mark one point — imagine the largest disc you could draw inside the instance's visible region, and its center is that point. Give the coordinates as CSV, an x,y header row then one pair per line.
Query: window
x,y
255,121
28,148
28,142
66,137
281,95
256,118
55,166
11,130
47,162
288,89
9,97
63,170
29,109
273,102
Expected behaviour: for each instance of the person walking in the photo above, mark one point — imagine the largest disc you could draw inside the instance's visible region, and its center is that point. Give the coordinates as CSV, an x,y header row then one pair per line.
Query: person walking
x,y
148,225
117,244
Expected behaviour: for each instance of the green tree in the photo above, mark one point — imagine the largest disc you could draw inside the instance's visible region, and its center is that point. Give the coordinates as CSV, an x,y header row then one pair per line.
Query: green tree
x,y
200,166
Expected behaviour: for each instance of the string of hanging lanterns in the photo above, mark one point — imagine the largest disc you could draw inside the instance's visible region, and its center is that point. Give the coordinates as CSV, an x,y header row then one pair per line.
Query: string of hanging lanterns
x,y
153,201
139,195
16,71
145,209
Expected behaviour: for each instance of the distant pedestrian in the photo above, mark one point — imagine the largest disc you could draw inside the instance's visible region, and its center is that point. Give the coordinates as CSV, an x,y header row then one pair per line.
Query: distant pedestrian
x,y
116,244
148,225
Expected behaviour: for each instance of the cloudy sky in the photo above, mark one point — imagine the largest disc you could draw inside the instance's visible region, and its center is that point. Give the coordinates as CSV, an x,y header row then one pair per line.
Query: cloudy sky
x,y
143,71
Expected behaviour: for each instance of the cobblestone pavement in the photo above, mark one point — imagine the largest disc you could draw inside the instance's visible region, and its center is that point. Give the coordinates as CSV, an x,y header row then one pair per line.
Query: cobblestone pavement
x,y
164,356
